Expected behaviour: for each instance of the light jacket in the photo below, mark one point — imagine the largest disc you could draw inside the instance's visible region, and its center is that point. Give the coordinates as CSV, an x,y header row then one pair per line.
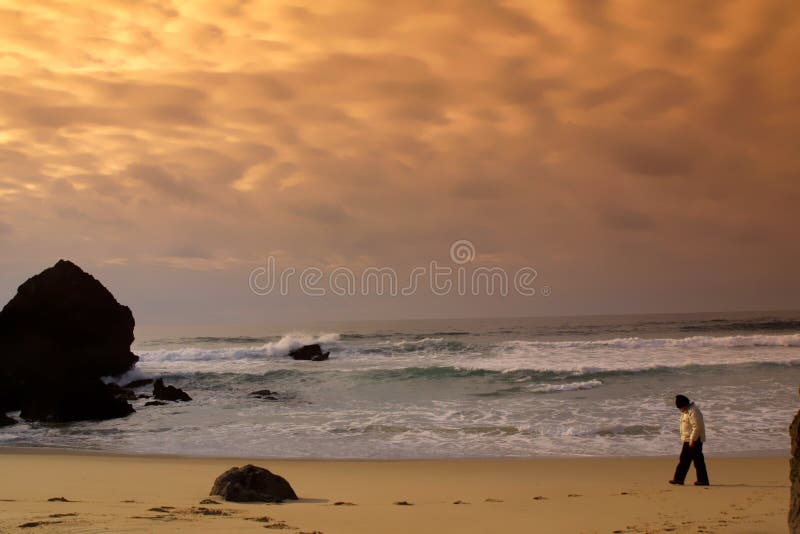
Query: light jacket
x,y
692,425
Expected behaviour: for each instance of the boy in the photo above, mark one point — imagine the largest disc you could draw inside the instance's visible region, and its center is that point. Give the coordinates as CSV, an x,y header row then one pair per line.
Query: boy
x,y
693,434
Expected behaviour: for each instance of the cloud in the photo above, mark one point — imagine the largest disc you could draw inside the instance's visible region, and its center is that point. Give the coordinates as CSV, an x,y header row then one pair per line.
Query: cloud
x,y
552,133
626,219
161,181
648,158
323,213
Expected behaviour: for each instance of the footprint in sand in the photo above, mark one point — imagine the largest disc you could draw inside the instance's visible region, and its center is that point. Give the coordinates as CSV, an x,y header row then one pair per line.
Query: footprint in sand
x,y
155,517
460,502
403,503
344,503
33,524
492,500
58,499
162,509
208,511
279,525
262,519
540,498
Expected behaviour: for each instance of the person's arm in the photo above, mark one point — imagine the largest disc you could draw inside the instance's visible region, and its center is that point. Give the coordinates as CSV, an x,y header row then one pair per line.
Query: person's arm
x,y
696,420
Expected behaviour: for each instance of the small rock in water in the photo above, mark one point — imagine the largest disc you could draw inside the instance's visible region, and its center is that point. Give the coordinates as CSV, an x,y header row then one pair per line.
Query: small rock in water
x,y
309,352
169,393
264,394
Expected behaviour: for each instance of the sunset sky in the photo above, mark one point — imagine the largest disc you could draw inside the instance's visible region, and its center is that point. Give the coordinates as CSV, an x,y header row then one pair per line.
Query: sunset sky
x,y
642,156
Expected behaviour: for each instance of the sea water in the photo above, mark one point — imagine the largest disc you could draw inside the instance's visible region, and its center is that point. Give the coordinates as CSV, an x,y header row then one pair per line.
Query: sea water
x,y
580,386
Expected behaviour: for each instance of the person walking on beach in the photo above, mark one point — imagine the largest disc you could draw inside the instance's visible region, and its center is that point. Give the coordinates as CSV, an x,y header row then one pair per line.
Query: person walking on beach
x,y
693,435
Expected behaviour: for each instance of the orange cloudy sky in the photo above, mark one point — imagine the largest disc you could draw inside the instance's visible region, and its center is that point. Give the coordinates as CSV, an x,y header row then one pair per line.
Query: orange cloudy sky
x,y
642,156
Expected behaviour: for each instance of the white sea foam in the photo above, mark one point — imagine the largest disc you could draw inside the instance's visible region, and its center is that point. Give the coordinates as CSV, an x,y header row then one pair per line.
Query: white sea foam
x,y
280,348
516,356
572,386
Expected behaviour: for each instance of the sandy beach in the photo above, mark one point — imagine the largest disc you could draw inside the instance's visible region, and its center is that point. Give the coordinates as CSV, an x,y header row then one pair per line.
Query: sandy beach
x,y
120,493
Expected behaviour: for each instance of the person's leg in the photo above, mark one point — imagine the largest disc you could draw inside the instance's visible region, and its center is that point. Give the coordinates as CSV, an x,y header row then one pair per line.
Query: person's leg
x,y
700,463
683,464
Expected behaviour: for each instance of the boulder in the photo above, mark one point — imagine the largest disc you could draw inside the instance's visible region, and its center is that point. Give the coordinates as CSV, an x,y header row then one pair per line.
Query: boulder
x,y
252,484
6,420
309,352
155,403
62,326
76,400
794,476
169,393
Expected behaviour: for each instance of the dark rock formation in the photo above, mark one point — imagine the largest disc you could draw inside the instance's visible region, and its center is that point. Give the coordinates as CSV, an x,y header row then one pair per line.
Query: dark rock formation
x,y
77,400
120,392
264,394
252,484
155,403
169,393
6,420
794,476
138,383
309,352
61,332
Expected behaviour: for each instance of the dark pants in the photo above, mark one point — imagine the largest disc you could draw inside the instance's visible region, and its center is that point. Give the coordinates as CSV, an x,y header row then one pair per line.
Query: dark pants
x,y
689,455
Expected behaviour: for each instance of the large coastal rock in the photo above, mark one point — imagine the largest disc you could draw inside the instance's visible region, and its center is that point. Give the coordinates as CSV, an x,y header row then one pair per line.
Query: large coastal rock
x,y
6,420
309,352
252,484
61,332
794,476
79,400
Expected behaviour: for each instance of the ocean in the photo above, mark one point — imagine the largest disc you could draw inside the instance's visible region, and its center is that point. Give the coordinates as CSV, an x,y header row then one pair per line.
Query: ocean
x,y
522,387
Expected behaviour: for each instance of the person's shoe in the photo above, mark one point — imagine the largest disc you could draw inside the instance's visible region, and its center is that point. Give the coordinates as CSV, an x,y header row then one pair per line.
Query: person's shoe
x,y
676,482
698,483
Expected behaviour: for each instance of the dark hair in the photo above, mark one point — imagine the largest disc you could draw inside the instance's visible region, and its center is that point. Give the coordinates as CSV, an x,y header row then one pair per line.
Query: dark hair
x,y
681,401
